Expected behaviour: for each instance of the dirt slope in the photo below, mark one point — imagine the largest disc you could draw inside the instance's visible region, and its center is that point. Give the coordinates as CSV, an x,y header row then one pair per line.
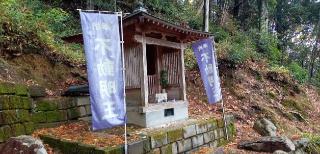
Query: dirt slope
x,y
40,70
251,91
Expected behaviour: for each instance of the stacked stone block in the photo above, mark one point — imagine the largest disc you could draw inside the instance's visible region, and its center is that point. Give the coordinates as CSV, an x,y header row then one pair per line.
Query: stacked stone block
x,y
15,106
184,139
189,138
24,109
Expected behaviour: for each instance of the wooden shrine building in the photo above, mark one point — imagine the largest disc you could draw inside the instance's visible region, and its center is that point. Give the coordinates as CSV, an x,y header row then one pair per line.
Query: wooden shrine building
x,y
154,50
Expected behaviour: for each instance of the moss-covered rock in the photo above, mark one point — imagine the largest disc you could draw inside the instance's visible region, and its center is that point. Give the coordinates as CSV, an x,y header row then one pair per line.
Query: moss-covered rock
x,y
167,149
201,127
51,140
53,116
37,91
6,88
73,113
222,142
46,105
158,139
23,115
39,117
17,129
68,146
175,135
114,150
26,102
21,90
29,127
63,115
212,124
85,148
16,102
5,103
220,123
9,117
5,133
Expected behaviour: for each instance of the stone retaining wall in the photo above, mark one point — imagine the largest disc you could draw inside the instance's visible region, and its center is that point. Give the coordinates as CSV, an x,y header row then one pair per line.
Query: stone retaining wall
x,y
190,138
184,139
24,109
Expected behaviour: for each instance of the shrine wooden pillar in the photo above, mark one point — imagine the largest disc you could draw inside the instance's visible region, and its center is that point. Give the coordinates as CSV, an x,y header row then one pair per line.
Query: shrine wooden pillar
x,y
144,75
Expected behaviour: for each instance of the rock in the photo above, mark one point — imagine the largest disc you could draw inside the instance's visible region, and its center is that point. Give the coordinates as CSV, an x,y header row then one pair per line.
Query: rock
x,y
299,151
37,91
23,144
280,152
265,127
268,144
301,143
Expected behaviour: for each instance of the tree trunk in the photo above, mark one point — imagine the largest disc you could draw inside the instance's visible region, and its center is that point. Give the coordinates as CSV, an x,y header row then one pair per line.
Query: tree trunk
x,y
315,51
90,5
213,5
206,16
263,16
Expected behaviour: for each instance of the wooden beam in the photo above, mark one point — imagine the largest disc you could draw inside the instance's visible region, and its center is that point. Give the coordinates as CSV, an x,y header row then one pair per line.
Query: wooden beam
x,y
144,75
182,77
160,42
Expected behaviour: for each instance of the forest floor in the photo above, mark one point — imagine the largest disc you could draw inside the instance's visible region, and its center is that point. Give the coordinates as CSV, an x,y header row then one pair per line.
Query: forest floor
x,y
251,91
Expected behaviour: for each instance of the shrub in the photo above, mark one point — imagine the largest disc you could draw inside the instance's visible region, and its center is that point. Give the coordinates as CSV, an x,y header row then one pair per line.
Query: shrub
x,y
266,44
236,49
31,25
314,144
190,60
219,33
298,72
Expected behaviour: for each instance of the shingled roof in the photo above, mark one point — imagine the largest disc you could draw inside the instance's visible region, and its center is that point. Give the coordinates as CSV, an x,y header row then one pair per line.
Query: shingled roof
x,y
148,19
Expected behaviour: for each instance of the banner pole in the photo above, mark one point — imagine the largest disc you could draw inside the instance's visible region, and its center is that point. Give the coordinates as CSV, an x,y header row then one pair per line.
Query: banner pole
x,y
224,119
124,87
222,102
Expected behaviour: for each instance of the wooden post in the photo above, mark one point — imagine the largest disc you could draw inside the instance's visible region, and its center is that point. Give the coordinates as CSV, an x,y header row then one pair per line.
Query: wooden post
x,y
182,77
158,50
144,75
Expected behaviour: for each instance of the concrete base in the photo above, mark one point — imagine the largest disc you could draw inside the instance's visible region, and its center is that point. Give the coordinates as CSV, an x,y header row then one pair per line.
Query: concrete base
x,y
158,114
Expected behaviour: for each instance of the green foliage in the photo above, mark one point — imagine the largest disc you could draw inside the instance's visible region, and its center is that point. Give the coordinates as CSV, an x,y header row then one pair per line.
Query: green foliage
x,y
316,80
314,144
164,78
237,49
190,60
298,72
33,26
219,33
280,70
266,44
178,12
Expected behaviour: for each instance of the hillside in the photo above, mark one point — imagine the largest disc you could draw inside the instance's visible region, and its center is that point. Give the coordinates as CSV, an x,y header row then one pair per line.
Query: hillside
x,y
252,91
36,69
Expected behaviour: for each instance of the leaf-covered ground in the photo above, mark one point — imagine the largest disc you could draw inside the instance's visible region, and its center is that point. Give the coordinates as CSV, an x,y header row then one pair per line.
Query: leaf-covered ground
x,y
253,90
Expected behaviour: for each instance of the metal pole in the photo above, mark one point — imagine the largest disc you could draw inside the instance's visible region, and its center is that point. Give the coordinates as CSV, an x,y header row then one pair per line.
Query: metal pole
x,y
124,87
222,102
224,119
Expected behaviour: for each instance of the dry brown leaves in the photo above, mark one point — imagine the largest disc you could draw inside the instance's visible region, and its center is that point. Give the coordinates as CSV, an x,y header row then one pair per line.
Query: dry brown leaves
x,y
80,132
